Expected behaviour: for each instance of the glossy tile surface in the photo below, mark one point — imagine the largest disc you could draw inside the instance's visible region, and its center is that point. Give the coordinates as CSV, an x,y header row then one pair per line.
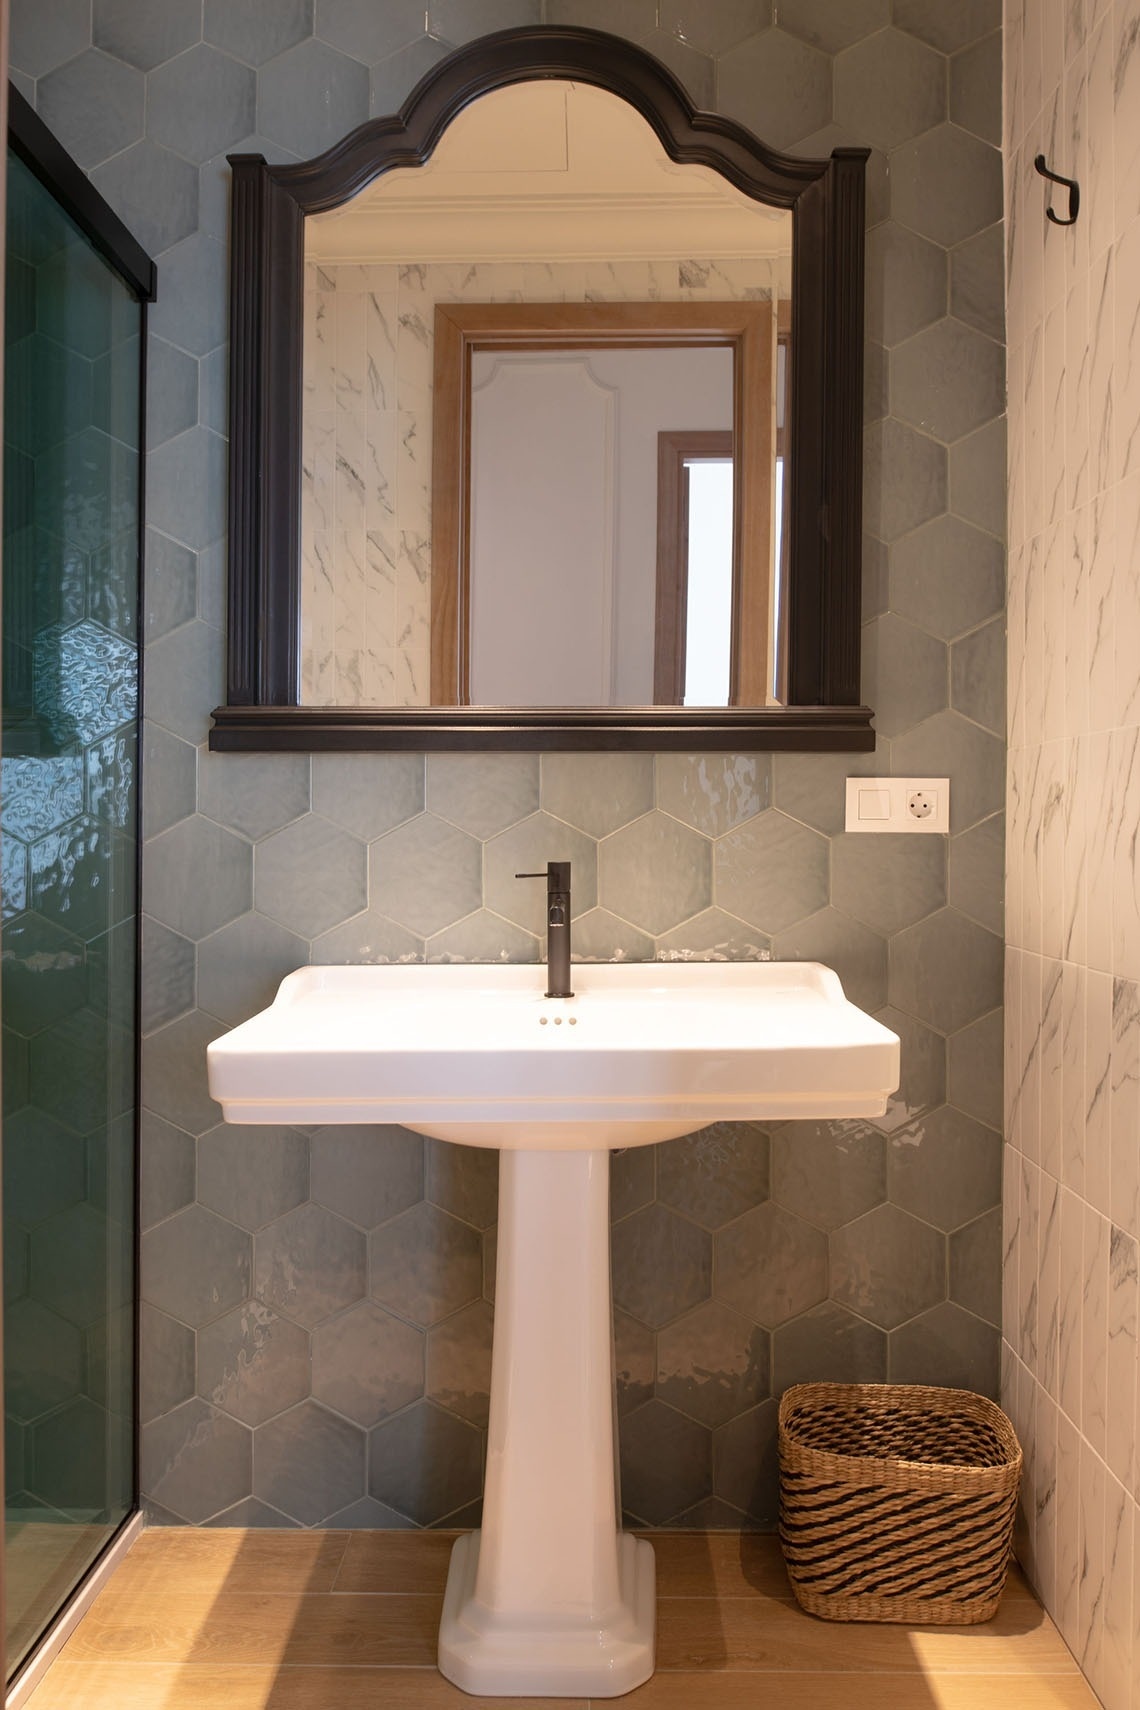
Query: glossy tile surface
x,y
253,860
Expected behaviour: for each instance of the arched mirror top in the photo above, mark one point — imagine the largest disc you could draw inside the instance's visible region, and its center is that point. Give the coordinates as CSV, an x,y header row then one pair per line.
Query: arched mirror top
x,y
285,215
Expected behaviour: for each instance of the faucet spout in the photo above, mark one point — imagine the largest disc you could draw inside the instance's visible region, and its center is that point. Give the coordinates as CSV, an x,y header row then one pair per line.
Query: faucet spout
x,y
557,876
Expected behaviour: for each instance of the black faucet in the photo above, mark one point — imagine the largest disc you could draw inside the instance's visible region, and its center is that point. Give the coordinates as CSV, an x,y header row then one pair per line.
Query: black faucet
x,y
557,876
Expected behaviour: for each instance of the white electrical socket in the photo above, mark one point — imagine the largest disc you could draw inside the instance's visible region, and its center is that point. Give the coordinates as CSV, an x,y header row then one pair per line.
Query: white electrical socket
x,y
898,805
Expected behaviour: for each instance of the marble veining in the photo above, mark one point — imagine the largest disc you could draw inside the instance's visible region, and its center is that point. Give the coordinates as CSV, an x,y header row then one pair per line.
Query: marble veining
x,y
366,451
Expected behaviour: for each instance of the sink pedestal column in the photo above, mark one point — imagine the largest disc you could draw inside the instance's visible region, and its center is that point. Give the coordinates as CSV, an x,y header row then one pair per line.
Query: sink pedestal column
x,y
551,1599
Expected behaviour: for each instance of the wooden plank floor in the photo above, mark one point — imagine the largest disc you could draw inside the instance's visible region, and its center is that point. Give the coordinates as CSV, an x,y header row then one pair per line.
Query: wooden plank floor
x,y
44,1560
260,1620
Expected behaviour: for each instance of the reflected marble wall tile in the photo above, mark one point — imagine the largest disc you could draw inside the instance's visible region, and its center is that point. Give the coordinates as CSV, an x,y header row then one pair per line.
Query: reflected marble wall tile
x,y
381,314
317,667
369,354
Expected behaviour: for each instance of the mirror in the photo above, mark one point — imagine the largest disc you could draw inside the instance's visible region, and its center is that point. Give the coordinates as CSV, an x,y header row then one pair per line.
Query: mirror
x,y
549,319
480,409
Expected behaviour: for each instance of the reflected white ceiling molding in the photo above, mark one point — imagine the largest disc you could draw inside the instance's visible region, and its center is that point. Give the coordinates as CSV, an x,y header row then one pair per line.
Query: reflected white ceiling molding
x,y
548,171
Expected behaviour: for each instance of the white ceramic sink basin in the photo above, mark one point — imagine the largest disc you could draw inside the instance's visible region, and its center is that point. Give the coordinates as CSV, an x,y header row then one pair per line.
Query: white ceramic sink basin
x,y
550,1597
473,1053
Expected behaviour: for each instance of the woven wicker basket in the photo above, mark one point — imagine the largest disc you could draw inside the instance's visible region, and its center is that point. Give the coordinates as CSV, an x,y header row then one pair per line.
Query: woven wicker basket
x,y
896,1501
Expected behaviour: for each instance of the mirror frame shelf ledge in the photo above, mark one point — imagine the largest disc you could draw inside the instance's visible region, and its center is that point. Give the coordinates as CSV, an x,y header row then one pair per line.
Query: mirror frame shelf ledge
x,y
822,710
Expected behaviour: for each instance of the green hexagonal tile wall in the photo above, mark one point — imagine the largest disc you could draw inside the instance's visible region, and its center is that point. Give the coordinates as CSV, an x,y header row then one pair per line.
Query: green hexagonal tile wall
x,y
723,883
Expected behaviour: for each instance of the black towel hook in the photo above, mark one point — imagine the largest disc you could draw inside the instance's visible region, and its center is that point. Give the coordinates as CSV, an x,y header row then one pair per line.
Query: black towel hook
x,y
1074,193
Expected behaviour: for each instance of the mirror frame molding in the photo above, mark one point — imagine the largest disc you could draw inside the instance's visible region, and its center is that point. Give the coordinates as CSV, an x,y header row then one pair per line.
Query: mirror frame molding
x,y
268,212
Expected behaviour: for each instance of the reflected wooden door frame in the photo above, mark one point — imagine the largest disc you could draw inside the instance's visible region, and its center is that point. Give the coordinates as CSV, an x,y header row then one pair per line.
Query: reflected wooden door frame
x,y
461,329
675,451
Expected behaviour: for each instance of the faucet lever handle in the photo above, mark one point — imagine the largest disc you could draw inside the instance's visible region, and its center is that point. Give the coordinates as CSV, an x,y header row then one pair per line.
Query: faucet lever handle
x,y
557,875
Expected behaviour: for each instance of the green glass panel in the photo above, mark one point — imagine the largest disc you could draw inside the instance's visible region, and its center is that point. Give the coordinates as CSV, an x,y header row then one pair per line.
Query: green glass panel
x,y
68,827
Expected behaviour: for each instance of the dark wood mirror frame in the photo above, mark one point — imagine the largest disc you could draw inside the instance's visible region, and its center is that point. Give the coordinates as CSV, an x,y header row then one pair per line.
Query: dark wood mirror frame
x,y
825,435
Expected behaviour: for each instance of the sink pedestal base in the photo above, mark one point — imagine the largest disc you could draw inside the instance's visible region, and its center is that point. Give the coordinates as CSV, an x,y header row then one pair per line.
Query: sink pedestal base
x,y
550,1599
493,1656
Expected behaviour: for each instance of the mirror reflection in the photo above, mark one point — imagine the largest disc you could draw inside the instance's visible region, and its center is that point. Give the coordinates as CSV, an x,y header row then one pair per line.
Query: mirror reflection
x,y
544,425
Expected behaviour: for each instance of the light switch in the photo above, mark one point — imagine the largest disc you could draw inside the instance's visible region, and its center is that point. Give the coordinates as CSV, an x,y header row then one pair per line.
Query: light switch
x,y
874,804
898,805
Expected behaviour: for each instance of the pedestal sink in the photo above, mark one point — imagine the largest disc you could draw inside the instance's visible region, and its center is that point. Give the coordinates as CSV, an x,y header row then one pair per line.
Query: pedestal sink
x,y
550,1598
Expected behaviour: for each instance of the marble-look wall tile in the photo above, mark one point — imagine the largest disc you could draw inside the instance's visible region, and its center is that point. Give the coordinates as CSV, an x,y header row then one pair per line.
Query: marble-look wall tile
x,y
1049,1283
1098,1090
1067,1532
1045,1490
1126,110
1051,1047
1028,1263
1089,1648
1120,1366
366,493
1011,1243
1073,1001
1124,1107
1116,1667
1094,1338
1070,1304
1127,346
1074,936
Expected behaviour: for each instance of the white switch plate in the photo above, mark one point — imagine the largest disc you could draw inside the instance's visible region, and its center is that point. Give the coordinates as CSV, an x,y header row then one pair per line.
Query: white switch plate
x,y
898,804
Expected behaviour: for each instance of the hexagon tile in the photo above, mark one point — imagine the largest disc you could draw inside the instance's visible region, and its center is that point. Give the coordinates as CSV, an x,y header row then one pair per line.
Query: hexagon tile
x,y
316,1310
